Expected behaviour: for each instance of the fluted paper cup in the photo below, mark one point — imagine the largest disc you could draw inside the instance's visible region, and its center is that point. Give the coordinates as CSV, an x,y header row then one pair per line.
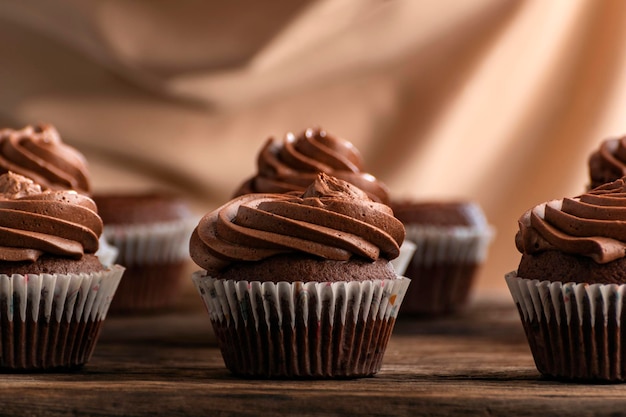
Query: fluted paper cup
x,y
154,256
154,243
574,330
107,253
407,249
53,321
302,330
443,266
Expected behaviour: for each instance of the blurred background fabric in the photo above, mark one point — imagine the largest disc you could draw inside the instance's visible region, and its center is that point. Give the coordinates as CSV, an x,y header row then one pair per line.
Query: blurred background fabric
x,y
496,101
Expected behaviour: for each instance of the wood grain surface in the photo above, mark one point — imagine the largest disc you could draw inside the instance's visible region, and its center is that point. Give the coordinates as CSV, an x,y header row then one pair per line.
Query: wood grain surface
x,y
474,363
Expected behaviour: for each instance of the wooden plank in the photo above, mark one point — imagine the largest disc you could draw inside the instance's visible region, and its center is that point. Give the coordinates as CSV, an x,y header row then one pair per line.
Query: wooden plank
x,y
477,363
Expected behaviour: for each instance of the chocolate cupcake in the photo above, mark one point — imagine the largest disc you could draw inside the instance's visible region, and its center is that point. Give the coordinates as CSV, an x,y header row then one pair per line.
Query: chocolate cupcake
x,y
300,285
151,230
451,240
54,292
293,164
38,152
569,285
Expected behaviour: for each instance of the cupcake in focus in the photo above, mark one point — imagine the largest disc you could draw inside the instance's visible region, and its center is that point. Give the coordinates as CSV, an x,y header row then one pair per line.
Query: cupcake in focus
x,y
54,291
451,239
569,285
151,231
300,285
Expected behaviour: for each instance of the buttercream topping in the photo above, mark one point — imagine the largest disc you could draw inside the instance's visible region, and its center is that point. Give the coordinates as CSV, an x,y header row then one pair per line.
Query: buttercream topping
x,y
293,163
593,224
35,222
332,219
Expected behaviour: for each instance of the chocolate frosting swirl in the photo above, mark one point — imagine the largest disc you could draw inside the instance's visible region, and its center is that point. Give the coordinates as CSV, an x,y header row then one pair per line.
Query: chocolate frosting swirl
x,y
592,225
37,152
35,222
293,164
332,219
608,162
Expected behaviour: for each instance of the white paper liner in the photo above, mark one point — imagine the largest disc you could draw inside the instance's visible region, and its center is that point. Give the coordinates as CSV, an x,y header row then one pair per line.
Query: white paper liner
x,y
406,254
50,321
107,253
457,244
573,329
78,297
151,243
278,306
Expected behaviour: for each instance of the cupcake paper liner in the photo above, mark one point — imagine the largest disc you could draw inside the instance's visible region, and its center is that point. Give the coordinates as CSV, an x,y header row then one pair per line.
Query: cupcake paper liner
x,y
406,253
154,243
458,244
302,330
443,267
107,253
574,330
154,256
53,321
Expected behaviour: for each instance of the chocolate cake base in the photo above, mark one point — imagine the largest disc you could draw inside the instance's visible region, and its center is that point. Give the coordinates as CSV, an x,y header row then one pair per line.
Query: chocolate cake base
x,y
140,208
554,265
53,265
148,288
438,213
305,268
436,289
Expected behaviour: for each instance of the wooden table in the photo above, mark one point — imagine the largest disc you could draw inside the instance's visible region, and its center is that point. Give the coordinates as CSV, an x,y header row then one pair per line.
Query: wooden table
x,y
475,363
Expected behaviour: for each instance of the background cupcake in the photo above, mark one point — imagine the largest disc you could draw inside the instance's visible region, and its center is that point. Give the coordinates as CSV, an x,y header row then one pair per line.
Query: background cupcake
x,y
37,152
608,162
569,286
151,232
293,163
301,286
54,291
451,240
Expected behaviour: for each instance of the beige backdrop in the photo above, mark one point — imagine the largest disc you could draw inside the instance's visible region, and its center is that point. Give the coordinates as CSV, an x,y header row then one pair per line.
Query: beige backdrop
x,y
498,101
